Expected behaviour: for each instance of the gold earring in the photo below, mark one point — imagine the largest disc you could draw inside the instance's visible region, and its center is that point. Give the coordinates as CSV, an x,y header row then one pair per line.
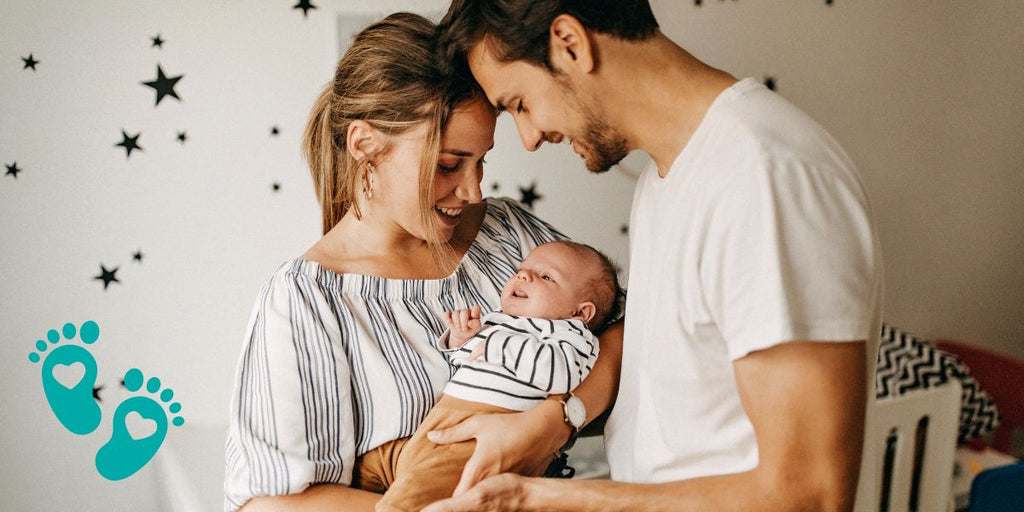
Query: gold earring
x,y
368,181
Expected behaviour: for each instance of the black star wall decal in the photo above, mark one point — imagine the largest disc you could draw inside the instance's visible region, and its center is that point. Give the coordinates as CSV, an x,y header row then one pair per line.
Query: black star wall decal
x,y
624,229
157,42
276,187
129,143
769,82
529,195
495,186
96,393
107,276
12,170
274,131
30,62
137,256
182,137
164,85
305,5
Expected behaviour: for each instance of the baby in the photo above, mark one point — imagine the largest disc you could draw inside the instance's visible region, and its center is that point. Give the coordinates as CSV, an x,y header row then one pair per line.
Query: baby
x,y
539,344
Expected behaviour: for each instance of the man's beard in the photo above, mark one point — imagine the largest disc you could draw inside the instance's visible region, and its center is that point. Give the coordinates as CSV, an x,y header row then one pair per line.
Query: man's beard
x,y
602,145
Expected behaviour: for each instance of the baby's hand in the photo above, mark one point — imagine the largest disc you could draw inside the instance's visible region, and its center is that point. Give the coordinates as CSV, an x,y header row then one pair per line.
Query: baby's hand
x,y
463,324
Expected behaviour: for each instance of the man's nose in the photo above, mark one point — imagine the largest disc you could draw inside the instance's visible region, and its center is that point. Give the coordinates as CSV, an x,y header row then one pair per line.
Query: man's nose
x,y
531,137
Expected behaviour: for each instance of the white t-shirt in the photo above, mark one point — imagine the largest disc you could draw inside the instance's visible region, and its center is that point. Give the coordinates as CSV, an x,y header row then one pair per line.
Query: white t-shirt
x,y
760,233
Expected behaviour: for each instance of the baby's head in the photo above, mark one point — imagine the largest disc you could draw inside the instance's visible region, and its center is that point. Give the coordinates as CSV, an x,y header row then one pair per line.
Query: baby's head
x,y
560,280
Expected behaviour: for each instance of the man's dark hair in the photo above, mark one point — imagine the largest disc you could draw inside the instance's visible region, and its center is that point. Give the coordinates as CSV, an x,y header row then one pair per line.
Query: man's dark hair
x,y
518,29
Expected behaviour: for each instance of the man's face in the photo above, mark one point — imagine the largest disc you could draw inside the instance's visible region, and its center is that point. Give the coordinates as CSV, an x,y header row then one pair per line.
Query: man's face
x,y
546,108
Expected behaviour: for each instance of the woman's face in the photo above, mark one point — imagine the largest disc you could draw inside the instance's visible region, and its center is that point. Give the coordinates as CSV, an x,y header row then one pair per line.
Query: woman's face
x,y
465,141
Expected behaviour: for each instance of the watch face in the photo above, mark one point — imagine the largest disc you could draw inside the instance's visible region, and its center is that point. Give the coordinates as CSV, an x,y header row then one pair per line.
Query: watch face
x,y
575,411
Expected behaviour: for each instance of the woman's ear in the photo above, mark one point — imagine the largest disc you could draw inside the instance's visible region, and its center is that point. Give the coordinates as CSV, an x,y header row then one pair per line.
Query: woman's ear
x,y
362,140
585,311
570,45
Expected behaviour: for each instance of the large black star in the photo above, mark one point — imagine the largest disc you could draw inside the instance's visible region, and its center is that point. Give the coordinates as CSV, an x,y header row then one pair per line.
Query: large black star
x,y
164,85
137,256
12,169
129,143
107,276
529,195
305,5
157,42
30,62
96,393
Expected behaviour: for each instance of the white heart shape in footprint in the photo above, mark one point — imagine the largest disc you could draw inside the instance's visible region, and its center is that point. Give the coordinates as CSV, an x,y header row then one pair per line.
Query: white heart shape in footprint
x,y
69,375
138,426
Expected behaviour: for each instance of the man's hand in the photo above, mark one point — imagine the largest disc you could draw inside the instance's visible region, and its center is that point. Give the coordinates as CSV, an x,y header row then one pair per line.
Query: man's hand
x,y
463,324
499,493
521,442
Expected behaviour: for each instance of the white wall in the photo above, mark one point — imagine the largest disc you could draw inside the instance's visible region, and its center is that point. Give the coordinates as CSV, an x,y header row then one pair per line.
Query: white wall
x,y
926,98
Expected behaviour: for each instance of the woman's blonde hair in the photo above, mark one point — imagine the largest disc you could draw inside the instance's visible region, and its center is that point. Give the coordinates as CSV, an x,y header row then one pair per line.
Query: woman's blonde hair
x,y
389,79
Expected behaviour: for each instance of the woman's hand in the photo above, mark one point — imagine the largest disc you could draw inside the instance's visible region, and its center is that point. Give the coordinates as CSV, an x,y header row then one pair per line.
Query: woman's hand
x,y
521,442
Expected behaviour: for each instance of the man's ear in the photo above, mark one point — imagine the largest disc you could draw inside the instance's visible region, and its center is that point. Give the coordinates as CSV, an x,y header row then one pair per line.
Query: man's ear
x,y
585,311
570,45
362,139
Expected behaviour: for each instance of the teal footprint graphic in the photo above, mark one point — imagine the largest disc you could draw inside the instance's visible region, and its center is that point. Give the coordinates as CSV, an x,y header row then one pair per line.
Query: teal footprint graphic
x,y
131,443
69,374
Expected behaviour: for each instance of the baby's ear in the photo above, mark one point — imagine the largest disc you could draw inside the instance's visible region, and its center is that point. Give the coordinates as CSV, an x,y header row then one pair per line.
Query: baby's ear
x,y
585,311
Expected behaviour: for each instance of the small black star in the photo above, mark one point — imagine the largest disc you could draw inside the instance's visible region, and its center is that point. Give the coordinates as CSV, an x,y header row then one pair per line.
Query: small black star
x,y
182,137
122,383
276,186
157,42
30,62
107,276
274,131
828,2
305,5
164,85
624,229
529,195
769,82
698,2
495,186
129,143
12,169
96,393
137,256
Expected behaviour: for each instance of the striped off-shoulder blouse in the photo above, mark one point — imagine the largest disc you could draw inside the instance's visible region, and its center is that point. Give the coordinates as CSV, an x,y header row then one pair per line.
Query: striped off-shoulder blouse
x,y
335,365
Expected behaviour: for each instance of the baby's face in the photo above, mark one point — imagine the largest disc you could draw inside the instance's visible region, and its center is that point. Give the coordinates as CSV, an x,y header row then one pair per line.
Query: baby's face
x,y
549,283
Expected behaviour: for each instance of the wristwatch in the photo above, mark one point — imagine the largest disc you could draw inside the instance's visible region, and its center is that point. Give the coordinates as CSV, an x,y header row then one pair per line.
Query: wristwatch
x,y
575,416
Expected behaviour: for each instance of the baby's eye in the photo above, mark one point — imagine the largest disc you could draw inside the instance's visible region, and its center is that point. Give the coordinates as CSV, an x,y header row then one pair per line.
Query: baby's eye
x,y
545,277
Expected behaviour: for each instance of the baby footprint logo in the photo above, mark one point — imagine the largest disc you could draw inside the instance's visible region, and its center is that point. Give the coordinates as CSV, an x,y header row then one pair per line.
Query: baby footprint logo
x,y
140,425
69,374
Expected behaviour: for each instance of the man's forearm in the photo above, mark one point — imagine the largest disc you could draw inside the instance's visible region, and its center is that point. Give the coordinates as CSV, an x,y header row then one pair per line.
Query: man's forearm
x,y
746,492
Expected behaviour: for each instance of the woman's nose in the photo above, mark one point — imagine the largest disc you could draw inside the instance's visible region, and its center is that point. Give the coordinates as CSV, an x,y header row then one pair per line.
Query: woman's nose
x,y
469,188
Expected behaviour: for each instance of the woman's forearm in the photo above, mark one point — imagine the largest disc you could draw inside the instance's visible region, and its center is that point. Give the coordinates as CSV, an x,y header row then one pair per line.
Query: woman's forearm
x,y
599,389
317,498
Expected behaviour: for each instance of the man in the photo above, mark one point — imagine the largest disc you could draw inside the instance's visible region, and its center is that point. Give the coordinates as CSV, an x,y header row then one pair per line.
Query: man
x,y
755,275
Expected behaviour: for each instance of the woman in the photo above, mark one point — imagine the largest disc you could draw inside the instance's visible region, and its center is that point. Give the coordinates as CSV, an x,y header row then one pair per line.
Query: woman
x,y
339,357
